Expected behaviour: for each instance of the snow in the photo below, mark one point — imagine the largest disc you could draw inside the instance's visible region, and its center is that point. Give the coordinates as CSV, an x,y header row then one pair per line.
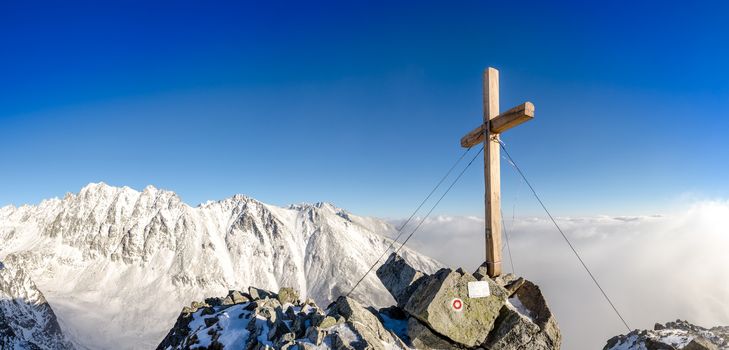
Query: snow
x,y
515,304
231,327
345,333
630,344
28,321
117,265
674,337
677,338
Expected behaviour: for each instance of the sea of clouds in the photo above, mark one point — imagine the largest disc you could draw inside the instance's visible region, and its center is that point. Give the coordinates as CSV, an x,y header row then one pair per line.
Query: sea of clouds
x,y
655,268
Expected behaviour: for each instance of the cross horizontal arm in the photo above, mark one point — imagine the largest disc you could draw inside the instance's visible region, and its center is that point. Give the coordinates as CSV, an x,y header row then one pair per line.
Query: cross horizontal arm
x,y
504,121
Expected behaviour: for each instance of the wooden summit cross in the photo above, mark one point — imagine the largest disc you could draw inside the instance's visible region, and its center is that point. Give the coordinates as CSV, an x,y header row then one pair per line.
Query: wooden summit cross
x,y
488,133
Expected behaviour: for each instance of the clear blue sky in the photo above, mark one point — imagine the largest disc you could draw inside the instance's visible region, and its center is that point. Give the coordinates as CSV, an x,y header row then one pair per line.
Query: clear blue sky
x,y
362,103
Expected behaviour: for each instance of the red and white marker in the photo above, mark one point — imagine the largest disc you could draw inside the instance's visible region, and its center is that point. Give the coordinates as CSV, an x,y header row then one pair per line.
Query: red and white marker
x,y
457,305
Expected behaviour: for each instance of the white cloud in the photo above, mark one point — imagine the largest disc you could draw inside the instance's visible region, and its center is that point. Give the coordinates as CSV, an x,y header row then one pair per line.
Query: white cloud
x,y
655,268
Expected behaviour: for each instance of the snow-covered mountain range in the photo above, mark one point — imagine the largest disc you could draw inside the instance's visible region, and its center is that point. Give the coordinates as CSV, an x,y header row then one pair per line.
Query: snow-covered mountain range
x,y
117,265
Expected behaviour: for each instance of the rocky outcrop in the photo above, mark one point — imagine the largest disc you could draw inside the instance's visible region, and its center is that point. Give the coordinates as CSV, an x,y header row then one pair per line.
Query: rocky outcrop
x,y
26,319
513,314
507,313
430,303
279,321
678,335
399,278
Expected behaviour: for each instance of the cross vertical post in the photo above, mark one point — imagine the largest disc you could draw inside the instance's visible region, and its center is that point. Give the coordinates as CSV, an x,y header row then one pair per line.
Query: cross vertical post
x,y
494,123
492,172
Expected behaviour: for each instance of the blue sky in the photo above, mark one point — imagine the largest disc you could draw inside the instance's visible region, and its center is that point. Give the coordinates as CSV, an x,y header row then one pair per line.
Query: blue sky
x,y
363,103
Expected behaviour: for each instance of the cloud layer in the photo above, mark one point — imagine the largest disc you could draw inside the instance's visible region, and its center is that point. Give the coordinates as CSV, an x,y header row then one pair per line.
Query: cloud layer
x,y
655,268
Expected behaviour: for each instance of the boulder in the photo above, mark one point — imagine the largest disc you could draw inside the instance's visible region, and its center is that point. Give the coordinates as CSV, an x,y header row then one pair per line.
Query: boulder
x,y
700,343
530,296
431,303
370,332
233,298
257,293
516,331
397,276
269,308
324,322
421,337
278,330
481,273
341,342
302,345
236,297
288,296
299,325
315,335
210,321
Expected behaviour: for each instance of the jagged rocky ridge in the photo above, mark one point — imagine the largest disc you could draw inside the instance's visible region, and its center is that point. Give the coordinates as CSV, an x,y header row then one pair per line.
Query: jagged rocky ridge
x,y
26,320
94,253
678,335
514,316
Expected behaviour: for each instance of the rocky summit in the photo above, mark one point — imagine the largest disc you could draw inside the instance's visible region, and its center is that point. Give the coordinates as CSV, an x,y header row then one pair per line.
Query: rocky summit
x,y
441,313
260,319
511,315
678,335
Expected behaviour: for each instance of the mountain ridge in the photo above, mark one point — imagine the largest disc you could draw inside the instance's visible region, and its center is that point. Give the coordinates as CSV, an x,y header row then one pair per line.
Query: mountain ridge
x,y
109,246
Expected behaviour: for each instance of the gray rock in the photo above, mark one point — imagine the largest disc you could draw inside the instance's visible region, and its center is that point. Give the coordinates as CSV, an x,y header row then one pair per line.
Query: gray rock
x,y
290,345
310,302
269,308
235,297
211,321
531,297
315,335
207,311
288,295
302,345
421,337
431,302
257,293
700,343
397,276
285,341
298,326
510,282
326,322
290,313
372,334
481,273
279,330
514,331
341,343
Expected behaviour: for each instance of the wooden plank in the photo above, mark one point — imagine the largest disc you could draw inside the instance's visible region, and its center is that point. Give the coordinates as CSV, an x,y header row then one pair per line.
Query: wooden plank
x,y
473,138
504,121
492,173
513,117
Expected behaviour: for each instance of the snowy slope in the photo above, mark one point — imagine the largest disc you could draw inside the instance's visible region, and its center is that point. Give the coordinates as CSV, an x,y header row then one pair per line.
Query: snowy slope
x,y
26,319
117,264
